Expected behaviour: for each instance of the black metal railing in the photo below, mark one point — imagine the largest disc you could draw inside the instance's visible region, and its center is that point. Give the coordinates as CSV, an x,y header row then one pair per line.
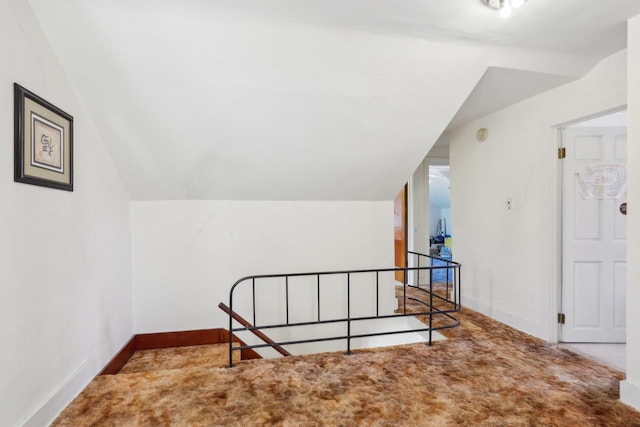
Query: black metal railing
x,y
434,300
445,269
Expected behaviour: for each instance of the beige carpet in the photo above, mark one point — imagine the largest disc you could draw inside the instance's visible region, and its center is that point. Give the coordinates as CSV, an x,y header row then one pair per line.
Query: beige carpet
x,y
485,374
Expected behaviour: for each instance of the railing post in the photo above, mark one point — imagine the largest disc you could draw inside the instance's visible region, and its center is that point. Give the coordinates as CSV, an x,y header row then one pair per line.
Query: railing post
x,y
404,292
348,314
458,296
447,282
448,265
431,275
377,293
431,309
253,286
231,328
318,284
286,286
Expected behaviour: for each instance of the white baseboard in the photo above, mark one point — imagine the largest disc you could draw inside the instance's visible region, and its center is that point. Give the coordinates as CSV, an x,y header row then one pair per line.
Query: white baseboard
x,y
59,399
510,319
630,394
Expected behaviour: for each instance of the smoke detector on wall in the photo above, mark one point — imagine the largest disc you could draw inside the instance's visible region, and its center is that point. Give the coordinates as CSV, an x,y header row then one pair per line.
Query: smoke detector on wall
x,y
482,134
504,6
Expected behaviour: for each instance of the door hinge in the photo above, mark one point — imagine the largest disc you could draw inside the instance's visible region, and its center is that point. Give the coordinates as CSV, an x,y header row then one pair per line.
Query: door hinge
x,y
561,318
562,153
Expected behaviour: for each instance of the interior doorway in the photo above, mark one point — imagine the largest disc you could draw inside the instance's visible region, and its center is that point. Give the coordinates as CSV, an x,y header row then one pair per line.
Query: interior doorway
x,y
440,229
400,233
593,203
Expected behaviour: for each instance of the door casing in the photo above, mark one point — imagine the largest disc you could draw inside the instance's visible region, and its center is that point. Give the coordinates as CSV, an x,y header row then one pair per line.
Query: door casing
x,y
555,212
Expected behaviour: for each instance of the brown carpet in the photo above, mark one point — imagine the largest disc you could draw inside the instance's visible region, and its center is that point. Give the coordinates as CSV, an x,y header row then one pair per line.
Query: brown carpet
x,y
485,374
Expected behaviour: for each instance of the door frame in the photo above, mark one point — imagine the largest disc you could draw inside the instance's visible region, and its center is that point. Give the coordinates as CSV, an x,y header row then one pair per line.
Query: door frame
x,y
419,211
556,213
400,254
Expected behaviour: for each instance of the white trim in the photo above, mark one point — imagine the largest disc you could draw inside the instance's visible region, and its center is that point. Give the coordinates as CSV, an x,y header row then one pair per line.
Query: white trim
x,y
556,213
532,328
410,231
555,294
411,215
592,116
630,394
59,399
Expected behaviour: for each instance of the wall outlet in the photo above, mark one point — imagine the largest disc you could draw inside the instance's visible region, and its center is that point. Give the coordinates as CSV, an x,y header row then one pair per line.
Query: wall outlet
x,y
509,203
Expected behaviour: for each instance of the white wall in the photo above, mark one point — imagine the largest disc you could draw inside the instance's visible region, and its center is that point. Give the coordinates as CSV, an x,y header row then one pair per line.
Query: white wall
x,y
418,201
65,296
187,254
630,389
509,256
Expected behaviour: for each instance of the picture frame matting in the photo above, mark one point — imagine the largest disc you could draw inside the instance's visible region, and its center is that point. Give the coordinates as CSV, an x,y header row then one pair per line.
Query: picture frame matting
x,y
43,142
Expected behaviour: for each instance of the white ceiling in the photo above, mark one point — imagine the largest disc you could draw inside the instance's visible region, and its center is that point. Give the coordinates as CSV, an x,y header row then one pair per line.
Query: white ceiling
x,y
305,99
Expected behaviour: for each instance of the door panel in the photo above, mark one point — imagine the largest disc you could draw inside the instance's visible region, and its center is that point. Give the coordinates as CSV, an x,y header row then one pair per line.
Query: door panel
x,y
620,154
400,232
594,237
587,147
620,307
587,286
588,218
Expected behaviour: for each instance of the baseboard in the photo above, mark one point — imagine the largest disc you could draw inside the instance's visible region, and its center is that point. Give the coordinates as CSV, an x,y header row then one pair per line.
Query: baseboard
x,y
510,319
630,394
171,339
178,339
71,387
121,358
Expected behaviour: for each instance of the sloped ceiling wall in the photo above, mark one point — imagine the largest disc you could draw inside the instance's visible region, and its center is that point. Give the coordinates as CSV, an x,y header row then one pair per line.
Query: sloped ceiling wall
x,y
291,100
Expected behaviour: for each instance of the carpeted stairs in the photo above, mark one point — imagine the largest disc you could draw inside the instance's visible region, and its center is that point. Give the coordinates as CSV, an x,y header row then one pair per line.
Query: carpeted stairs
x,y
196,356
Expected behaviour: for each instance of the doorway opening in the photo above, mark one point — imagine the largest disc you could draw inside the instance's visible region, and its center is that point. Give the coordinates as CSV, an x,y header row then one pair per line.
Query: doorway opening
x,y
592,179
400,221
440,231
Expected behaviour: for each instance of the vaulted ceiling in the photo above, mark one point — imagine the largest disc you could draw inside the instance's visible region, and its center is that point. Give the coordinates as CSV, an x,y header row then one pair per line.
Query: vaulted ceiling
x,y
307,99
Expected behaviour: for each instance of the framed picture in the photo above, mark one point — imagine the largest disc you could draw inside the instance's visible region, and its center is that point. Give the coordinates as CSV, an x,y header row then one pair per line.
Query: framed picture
x,y
43,133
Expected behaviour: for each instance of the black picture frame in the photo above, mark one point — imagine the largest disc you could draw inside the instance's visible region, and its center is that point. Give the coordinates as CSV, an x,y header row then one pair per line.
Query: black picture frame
x,y
43,142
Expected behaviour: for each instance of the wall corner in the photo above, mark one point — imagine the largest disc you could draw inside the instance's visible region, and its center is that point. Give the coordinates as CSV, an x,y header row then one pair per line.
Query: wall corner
x,y
630,394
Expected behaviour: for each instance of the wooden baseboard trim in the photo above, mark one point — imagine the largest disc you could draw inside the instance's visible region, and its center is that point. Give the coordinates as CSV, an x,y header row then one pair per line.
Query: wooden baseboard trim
x,y
177,339
171,339
120,359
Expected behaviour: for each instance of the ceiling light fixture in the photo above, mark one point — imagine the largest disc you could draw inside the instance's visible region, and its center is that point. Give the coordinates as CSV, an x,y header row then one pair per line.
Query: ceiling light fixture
x,y
504,6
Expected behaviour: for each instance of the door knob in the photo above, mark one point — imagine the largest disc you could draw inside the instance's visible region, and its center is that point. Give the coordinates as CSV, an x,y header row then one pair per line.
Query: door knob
x,y
623,208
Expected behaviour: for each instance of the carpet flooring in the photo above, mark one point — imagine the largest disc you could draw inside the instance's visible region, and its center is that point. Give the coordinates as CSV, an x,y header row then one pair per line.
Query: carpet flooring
x,y
484,374
441,275
201,356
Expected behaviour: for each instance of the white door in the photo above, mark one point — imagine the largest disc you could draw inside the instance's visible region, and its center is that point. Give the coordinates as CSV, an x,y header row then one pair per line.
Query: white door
x,y
594,235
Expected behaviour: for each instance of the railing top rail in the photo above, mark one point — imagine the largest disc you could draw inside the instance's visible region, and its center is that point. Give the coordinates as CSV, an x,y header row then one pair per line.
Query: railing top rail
x,y
327,273
435,257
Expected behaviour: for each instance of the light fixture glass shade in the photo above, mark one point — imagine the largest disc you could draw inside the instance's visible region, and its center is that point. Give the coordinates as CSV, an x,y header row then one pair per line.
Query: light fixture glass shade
x,y
505,11
505,7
